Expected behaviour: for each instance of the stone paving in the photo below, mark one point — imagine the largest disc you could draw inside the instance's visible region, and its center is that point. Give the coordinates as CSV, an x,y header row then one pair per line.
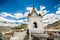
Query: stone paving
x,y
27,38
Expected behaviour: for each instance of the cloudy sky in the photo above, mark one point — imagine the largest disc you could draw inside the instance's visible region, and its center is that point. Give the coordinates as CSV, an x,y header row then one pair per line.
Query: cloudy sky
x,y
12,10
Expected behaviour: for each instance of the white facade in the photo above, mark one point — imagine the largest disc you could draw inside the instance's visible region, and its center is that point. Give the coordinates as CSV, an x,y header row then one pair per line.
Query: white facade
x,y
36,18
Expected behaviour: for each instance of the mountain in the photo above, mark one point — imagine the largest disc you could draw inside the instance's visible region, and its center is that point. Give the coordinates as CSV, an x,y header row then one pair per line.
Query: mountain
x,y
55,25
22,26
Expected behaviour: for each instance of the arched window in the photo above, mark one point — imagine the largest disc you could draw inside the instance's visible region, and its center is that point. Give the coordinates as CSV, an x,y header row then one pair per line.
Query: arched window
x,y
35,24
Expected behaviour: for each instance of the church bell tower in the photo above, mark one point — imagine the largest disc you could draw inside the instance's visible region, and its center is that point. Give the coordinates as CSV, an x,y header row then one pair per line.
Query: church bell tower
x,y
35,24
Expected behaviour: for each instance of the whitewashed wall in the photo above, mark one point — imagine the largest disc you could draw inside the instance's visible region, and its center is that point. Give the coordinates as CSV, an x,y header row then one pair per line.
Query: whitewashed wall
x,y
37,19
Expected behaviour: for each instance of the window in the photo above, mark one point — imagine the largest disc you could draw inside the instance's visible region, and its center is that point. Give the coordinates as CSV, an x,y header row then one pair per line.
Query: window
x,y
59,32
35,24
55,32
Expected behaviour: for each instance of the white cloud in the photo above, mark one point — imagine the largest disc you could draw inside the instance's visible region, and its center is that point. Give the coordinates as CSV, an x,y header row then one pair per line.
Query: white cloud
x,y
25,20
58,17
5,14
42,10
47,19
29,8
42,7
7,20
58,11
18,15
50,18
26,14
20,21
59,8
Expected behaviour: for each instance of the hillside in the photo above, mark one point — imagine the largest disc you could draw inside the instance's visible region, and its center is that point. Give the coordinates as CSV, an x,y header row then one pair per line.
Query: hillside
x,y
22,26
55,25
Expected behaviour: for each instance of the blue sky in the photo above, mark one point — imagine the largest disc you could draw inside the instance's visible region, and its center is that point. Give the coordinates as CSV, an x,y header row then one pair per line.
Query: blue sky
x,y
11,7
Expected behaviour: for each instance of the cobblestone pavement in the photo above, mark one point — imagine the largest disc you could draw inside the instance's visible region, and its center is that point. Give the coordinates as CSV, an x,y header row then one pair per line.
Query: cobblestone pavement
x,y
27,37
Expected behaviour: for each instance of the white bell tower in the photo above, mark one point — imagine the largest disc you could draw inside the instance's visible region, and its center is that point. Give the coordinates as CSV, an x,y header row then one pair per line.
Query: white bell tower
x,y
35,24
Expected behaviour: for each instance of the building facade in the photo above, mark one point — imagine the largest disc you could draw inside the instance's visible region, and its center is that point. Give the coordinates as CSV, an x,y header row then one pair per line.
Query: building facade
x,y
35,24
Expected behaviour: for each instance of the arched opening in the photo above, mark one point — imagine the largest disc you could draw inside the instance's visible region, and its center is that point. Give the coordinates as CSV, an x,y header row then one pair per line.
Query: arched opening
x,y
35,24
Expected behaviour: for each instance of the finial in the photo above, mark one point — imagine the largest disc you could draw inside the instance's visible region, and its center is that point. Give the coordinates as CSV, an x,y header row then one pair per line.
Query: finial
x,y
33,7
